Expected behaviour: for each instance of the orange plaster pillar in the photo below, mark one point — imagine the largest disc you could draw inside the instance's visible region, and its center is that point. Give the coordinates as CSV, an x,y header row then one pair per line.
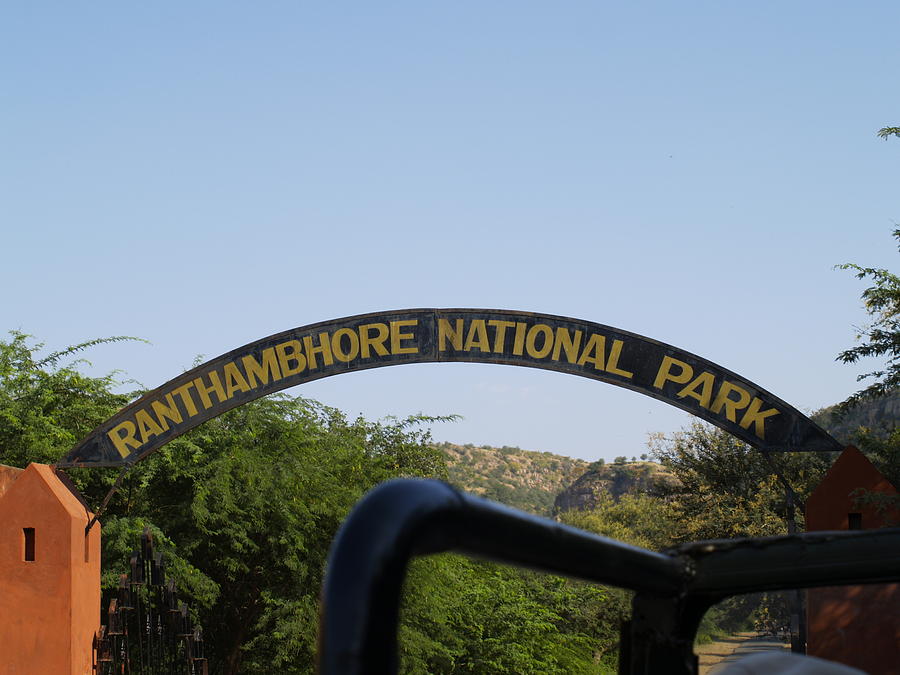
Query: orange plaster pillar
x,y
49,577
855,625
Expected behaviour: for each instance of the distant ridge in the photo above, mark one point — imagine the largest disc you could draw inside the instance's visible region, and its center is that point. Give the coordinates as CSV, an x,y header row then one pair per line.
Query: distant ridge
x,y
616,479
545,483
880,416
524,479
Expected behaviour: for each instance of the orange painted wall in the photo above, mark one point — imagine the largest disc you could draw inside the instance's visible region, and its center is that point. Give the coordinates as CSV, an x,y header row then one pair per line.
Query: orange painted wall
x,y
8,475
49,608
855,625
828,506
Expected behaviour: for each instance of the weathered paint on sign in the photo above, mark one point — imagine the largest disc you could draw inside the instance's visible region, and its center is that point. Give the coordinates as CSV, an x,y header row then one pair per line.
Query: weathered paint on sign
x,y
436,335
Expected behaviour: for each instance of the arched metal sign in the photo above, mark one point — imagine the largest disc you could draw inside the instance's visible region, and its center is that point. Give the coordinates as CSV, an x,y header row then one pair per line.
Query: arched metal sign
x,y
366,341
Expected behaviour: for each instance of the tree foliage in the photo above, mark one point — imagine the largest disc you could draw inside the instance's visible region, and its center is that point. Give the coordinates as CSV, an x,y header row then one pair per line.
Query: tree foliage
x,y
728,489
46,408
881,337
637,519
470,617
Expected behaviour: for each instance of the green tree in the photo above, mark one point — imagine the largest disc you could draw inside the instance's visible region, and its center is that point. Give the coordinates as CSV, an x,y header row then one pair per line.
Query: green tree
x,y
46,407
639,519
728,489
251,500
470,617
881,337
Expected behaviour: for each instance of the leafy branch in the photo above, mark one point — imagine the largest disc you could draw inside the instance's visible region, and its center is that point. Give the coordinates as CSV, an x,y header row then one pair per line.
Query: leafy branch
x,y
881,338
54,358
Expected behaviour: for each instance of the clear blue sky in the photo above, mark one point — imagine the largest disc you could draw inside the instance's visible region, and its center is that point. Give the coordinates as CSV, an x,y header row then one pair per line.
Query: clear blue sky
x,y
203,174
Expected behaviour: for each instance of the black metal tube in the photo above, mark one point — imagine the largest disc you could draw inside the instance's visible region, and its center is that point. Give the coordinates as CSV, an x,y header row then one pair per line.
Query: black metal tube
x,y
406,517
732,567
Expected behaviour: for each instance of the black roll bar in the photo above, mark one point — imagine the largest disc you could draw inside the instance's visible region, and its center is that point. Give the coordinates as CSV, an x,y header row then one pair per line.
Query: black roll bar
x,y
406,517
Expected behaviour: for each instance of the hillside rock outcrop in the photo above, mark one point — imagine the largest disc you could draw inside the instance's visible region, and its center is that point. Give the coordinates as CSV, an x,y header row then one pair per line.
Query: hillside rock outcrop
x,y
615,480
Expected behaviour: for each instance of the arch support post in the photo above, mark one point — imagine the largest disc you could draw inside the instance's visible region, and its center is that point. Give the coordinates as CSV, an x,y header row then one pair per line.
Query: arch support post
x,y
49,576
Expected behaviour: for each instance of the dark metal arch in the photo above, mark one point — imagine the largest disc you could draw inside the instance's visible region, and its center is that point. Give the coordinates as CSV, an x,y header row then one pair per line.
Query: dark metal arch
x,y
562,344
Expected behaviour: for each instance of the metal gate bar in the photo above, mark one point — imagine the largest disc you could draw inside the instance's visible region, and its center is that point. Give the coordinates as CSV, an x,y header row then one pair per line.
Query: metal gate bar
x,y
660,636
407,517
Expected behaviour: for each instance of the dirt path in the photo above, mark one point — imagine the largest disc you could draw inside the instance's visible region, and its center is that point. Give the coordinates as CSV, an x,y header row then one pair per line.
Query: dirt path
x,y
726,650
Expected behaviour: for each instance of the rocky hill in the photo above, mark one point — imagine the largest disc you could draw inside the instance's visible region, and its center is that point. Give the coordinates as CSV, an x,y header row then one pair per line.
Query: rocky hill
x,y
524,479
616,480
544,483
880,415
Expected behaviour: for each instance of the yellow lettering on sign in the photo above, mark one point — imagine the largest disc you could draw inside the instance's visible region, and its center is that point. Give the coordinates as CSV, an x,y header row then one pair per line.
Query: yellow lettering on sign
x,y
122,436
184,392
701,388
500,334
519,340
724,400
664,374
532,337
454,334
215,385
594,352
147,427
477,337
757,417
290,352
366,340
397,336
612,365
324,349
166,412
261,371
234,379
337,346
565,341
